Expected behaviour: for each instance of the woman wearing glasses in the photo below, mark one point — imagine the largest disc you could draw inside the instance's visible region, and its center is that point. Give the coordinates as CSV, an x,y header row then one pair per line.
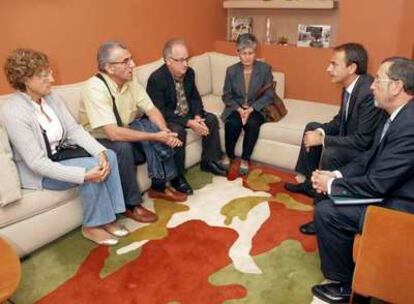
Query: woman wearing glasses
x,y
244,97
39,125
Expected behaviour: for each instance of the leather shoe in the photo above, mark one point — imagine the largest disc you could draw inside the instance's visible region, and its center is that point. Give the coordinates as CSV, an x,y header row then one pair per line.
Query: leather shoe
x,y
181,185
168,194
140,214
213,167
308,228
333,292
303,188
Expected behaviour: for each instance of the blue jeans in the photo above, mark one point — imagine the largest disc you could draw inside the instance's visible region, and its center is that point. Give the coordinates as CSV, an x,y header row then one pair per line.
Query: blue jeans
x,y
160,157
101,201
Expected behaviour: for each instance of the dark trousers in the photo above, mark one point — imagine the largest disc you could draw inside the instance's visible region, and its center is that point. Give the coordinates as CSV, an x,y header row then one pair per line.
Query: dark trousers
x,y
335,228
129,155
332,158
233,128
210,143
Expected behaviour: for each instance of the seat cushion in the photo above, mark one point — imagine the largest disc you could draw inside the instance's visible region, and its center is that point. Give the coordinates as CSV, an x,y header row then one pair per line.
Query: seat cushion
x,y
34,202
213,104
289,130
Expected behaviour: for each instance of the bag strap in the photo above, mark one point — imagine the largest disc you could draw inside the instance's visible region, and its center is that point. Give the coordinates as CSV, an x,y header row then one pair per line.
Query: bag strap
x,y
114,108
47,143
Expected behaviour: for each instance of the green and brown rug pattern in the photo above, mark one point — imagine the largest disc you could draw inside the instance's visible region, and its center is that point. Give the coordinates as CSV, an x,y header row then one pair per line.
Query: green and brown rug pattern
x,y
231,242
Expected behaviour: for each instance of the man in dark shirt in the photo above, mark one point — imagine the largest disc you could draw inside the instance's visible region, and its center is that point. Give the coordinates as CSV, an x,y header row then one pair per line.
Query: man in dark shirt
x,y
172,89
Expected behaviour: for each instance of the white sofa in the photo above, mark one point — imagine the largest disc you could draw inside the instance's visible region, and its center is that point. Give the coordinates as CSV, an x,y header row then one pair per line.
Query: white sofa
x,y
30,219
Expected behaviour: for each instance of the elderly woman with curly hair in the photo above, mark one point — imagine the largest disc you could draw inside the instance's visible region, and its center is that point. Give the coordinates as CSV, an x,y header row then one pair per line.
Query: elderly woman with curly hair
x,y
39,125
243,111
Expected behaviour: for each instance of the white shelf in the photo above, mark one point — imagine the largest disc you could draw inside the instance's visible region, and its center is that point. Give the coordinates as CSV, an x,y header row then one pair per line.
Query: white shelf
x,y
280,4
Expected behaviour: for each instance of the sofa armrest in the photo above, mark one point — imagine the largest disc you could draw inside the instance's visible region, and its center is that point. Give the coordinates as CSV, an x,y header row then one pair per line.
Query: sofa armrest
x,y
280,83
9,178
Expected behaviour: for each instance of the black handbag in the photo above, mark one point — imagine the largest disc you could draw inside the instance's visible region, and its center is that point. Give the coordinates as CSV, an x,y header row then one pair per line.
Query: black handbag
x,y
64,151
68,151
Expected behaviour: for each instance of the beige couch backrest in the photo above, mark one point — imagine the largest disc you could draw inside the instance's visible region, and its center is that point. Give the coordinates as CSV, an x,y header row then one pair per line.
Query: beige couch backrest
x,y
144,71
71,94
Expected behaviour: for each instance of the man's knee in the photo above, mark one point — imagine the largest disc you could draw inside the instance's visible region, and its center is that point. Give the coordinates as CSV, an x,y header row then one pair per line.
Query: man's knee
x,y
329,160
179,129
124,152
211,120
324,211
312,126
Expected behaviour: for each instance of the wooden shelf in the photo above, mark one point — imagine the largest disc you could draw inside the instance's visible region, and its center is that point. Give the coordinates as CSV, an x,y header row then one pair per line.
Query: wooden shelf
x,y
280,4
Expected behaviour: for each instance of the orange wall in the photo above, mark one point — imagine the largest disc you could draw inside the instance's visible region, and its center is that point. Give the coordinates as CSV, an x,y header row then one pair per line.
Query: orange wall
x,y
70,31
385,28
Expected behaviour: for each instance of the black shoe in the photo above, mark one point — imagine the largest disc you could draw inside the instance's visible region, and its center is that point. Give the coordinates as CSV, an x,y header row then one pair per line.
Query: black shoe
x,y
303,188
213,167
332,292
180,184
308,228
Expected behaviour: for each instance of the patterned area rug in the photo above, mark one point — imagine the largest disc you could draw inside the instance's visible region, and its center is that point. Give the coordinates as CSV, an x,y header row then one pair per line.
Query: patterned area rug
x,y
232,242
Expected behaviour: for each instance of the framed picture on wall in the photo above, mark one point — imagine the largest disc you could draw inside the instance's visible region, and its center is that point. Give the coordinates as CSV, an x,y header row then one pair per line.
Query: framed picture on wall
x,y
314,35
240,25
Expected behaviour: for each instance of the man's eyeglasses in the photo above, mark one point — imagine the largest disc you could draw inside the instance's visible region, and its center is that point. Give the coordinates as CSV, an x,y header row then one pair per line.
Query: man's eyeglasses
x,y
180,60
126,61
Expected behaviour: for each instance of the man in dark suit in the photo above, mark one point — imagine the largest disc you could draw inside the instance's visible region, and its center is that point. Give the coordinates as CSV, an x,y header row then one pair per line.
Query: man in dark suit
x,y
386,171
172,89
332,145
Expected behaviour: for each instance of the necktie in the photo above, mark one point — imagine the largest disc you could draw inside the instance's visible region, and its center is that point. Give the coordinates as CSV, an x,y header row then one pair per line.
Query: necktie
x,y
345,102
385,129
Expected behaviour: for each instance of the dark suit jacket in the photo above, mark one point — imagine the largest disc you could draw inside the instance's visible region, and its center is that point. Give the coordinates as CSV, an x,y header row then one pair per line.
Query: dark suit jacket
x,y
387,169
363,119
161,89
234,91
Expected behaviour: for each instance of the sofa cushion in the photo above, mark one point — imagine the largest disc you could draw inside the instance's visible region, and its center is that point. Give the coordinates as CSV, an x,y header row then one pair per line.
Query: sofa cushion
x,y
9,177
203,77
289,130
219,63
35,202
144,71
71,95
213,104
